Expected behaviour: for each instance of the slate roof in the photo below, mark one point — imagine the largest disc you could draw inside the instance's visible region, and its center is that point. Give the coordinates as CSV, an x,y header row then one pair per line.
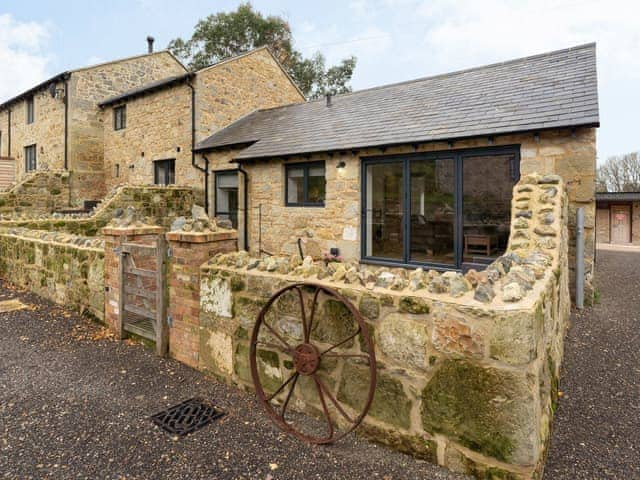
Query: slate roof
x,y
618,196
551,90
146,89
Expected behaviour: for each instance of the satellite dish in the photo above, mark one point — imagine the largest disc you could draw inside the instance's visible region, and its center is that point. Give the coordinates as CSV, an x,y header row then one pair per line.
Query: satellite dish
x,y
52,90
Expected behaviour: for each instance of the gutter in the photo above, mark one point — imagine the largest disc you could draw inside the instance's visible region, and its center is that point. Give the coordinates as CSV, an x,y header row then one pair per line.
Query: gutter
x,y
66,122
9,133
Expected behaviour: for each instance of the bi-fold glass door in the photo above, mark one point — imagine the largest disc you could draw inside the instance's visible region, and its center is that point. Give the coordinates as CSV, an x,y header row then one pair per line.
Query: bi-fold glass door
x,y
445,209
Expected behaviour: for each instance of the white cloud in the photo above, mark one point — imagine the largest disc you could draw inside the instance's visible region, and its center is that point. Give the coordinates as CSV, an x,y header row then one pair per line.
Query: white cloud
x,y
22,56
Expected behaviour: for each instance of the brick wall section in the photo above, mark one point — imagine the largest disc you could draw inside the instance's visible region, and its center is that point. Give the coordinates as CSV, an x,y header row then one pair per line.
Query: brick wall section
x,y
570,154
63,272
113,239
188,252
37,192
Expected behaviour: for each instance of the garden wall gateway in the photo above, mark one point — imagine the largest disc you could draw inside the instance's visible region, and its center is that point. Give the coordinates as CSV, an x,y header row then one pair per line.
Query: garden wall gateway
x,y
467,366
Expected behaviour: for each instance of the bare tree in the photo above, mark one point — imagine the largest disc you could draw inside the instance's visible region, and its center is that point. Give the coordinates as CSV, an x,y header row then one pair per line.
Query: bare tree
x,y
620,173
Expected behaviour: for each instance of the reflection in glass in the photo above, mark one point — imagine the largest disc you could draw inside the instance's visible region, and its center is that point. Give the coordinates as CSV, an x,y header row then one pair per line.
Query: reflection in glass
x,y
384,211
487,189
295,185
432,211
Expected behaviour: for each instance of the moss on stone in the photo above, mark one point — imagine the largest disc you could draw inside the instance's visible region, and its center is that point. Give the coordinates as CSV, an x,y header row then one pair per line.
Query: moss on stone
x,y
369,307
415,445
485,409
413,305
390,403
335,324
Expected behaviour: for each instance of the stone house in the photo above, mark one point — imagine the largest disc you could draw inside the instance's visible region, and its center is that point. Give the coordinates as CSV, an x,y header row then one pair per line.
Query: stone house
x,y
149,131
418,173
618,217
57,125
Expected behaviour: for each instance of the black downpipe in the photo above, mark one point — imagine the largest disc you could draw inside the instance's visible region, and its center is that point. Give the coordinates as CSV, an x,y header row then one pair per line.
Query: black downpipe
x,y
66,123
9,134
245,217
204,169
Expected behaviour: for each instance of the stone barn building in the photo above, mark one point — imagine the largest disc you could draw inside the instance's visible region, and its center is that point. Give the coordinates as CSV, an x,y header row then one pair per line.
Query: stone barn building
x,y
149,131
418,173
618,217
57,124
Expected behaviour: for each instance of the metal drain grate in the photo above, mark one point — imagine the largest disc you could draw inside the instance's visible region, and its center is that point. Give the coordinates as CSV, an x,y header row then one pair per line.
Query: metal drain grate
x,y
186,417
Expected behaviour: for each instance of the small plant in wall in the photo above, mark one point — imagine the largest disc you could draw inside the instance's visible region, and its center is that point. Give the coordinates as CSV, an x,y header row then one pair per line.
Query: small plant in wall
x,y
329,257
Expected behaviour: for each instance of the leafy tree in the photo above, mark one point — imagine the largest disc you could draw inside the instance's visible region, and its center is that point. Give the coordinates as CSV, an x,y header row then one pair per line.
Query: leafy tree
x,y
620,173
224,35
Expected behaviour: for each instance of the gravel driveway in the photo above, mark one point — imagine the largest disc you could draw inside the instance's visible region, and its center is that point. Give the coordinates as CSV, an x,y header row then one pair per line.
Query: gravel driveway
x,y
597,425
74,404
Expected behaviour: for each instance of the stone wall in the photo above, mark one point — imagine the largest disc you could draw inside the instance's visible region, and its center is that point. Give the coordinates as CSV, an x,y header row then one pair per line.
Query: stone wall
x,y
158,128
39,192
467,365
230,89
635,223
154,204
66,269
87,88
570,154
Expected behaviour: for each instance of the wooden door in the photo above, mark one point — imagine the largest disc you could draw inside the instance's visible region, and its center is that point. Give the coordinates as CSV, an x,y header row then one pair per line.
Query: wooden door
x,y
620,223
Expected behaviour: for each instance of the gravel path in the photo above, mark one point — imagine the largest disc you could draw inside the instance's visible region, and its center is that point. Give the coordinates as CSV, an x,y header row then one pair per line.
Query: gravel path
x,y
74,404
597,426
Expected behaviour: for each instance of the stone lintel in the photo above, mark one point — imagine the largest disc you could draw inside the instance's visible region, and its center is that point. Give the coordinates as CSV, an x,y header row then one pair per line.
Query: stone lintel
x,y
202,237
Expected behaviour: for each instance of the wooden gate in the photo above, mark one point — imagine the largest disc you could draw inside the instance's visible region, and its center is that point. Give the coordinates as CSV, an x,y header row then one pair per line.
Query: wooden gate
x,y
143,309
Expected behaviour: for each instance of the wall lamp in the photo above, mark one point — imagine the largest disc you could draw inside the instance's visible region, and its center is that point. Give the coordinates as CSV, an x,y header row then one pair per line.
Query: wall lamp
x,y
341,164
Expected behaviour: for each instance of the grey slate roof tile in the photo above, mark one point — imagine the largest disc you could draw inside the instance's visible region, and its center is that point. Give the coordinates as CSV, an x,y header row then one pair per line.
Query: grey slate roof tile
x,y
556,89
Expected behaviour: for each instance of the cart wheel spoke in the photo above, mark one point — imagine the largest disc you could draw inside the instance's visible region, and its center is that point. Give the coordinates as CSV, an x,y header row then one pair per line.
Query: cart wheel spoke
x,y
303,313
335,402
275,346
286,401
324,407
339,344
293,376
347,355
314,303
278,336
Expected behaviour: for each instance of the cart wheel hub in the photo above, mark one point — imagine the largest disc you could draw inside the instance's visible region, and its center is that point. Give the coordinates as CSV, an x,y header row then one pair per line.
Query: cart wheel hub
x,y
306,359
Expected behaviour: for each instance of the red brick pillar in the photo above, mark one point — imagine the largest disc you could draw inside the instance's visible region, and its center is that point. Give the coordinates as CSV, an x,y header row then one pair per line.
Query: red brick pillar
x,y
114,237
189,250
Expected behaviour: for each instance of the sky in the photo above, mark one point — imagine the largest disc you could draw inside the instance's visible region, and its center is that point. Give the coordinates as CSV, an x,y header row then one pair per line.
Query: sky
x,y
393,40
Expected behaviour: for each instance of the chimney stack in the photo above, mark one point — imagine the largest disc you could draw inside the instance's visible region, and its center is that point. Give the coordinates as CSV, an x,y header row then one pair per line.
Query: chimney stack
x,y
150,41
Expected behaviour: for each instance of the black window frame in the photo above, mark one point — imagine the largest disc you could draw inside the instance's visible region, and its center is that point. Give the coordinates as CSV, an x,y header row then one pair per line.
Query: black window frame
x,y
457,156
27,160
305,188
217,212
120,117
157,163
30,110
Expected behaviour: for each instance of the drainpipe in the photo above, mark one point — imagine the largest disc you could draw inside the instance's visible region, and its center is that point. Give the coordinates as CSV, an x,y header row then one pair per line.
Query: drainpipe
x,y
245,217
580,259
204,169
9,133
66,122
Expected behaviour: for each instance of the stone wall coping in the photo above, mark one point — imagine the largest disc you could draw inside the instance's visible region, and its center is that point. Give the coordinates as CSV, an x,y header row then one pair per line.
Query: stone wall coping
x,y
133,230
202,237
465,302
52,242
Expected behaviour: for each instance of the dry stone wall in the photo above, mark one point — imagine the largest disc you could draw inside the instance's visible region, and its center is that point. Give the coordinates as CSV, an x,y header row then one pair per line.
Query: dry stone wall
x,y
39,192
152,203
468,364
66,269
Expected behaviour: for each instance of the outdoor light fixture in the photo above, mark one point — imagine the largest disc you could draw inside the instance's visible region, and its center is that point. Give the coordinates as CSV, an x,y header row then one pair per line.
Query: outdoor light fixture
x,y
536,137
341,164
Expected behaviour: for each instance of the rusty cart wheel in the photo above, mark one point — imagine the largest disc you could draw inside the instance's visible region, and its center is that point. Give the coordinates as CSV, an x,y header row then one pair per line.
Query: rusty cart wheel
x,y
315,348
